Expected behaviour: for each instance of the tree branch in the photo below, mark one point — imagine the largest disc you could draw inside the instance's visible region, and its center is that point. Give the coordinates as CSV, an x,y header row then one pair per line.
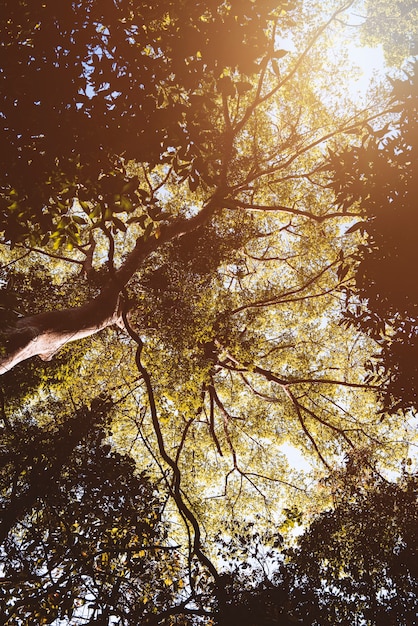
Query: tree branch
x,y
44,334
184,510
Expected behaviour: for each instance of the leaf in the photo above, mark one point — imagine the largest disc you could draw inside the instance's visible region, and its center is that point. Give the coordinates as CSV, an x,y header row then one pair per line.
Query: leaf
x,y
243,87
276,68
139,219
57,243
355,227
96,212
279,54
193,183
148,230
143,194
131,186
226,86
126,204
118,223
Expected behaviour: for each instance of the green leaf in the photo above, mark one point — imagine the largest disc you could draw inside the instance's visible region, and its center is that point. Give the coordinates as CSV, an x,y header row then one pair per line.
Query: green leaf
x,y
126,204
96,212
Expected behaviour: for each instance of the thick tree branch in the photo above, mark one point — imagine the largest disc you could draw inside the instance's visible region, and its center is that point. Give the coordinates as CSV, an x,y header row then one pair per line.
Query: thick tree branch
x,y
44,334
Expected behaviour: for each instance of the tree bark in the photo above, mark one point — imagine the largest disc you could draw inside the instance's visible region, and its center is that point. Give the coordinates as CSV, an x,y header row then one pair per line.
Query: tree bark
x,y
44,334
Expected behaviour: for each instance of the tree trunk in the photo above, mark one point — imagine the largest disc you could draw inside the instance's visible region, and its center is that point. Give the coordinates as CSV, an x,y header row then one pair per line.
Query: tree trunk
x,y
44,334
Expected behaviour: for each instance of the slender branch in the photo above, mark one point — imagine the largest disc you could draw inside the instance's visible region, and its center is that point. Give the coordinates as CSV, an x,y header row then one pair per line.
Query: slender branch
x,y
184,510
3,267
226,417
284,297
286,382
275,480
183,439
284,209
226,113
264,396
259,99
296,405
212,419
336,429
283,165
51,255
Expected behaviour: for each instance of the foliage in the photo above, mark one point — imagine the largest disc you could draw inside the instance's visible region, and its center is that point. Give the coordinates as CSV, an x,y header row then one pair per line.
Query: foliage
x,y
85,536
178,176
358,562
393,24
106,83
355,563
380,176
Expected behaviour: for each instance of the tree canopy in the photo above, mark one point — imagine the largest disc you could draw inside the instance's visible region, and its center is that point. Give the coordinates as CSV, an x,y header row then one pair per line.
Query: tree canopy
x,y
380,176
202,241
394,26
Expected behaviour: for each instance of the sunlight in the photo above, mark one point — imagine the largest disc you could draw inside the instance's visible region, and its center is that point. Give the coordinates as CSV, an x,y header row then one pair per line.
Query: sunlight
x,y
371,65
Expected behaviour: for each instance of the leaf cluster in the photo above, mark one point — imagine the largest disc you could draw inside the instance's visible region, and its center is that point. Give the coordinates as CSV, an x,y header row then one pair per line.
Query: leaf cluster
x,y
92,85
358,561
85,535
379,176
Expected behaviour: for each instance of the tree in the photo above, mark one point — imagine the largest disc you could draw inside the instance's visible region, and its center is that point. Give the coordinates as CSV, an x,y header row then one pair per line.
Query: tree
x,y
379,176
354,563
76,143
357,563
49,195
186,216
81,536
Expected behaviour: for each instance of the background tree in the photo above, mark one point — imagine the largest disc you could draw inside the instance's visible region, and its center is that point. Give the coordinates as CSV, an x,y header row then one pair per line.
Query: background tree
x,y
81,537
354,563
357,563
379,176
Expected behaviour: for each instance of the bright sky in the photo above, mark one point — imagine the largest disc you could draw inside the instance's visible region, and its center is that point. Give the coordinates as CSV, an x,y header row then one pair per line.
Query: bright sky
x,y
370,62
